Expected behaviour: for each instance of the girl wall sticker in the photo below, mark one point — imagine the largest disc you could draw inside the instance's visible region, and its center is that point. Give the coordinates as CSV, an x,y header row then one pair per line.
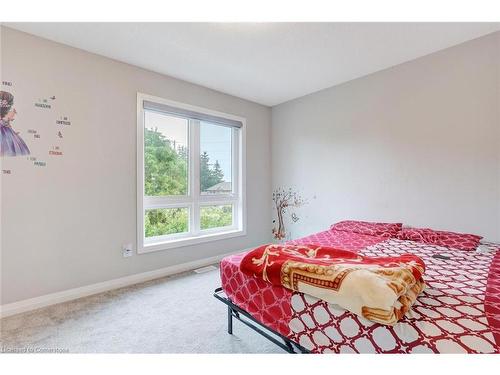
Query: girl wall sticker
x,y
11,143
49,129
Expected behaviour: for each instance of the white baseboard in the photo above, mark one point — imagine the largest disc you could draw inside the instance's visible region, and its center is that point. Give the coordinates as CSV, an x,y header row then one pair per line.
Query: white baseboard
x,y
71,294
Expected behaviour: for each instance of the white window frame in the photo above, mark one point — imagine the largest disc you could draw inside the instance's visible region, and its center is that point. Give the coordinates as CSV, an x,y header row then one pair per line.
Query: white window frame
x,y
193,200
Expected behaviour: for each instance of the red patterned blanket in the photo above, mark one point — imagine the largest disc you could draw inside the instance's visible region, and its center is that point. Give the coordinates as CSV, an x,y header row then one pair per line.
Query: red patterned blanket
x,y
380,289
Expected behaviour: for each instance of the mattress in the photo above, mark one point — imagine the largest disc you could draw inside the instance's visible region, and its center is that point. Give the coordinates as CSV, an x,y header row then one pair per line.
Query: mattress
x,y
458,312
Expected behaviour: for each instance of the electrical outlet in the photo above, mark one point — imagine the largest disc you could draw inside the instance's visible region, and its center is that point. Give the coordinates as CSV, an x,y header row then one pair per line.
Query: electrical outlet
x,y
127,250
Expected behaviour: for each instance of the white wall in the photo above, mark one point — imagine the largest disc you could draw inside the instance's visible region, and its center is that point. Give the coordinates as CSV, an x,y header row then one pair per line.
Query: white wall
x,y
417,143
63,225
498,129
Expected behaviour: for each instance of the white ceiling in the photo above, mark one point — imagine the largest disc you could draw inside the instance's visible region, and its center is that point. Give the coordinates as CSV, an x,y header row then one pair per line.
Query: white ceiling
x,y
268,63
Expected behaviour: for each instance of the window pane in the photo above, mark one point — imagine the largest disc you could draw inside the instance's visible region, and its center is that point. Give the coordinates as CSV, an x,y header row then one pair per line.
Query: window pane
x,y
215,159
165,155
216,216
163,221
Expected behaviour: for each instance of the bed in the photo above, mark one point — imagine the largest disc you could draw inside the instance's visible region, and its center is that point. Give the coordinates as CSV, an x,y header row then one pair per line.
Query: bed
x,y
458,312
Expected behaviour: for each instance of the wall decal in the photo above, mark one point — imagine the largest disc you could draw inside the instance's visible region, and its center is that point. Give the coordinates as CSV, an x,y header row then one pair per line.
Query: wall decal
x,y
11,143
63,120
47,128
43,103
283,200
35,133
55,151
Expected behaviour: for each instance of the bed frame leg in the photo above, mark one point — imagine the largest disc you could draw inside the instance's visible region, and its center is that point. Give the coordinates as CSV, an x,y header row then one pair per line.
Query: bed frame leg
x,y
229,320
289,346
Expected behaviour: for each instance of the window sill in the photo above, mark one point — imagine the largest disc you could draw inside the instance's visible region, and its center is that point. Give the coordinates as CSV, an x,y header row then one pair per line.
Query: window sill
x,y
180,242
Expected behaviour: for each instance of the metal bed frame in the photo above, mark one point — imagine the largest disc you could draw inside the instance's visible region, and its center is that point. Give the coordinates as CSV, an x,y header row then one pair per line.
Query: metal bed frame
x,y
234,311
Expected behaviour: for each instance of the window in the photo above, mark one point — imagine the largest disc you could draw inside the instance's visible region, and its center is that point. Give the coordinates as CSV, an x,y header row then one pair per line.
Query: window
x,y
190,174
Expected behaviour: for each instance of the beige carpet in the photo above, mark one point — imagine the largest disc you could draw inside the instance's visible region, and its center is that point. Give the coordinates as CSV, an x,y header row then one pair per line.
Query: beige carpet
x,y
170,315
